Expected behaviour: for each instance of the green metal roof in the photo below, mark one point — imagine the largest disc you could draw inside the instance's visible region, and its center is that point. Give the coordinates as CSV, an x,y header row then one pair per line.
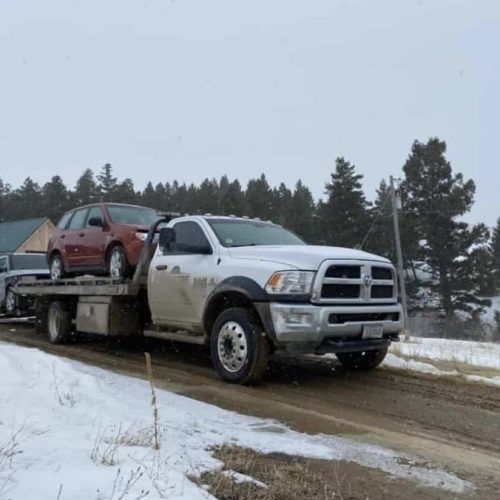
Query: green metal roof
x,y
14,234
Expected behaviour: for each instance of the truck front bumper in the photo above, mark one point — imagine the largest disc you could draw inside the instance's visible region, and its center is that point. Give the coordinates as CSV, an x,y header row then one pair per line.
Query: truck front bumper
x,y
318,329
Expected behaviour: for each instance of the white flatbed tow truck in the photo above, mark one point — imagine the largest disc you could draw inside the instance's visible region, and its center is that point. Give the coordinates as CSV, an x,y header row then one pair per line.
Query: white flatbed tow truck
x,y
242,286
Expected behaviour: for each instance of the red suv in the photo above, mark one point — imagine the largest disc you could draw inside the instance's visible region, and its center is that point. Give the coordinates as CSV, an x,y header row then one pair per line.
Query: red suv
x,y
103,238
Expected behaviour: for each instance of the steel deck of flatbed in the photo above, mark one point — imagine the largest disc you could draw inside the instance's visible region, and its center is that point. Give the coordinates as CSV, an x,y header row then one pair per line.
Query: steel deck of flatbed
x,y
79,286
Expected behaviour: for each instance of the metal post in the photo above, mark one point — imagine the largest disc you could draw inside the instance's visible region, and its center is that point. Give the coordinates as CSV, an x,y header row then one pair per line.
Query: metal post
x,y
399,253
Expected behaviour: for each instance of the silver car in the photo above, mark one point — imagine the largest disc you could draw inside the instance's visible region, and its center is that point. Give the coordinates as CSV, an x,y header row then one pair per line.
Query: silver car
x,y
18,267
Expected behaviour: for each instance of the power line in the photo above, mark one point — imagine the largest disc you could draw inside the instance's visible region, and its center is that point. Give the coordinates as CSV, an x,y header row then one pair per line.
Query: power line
x,y
377,217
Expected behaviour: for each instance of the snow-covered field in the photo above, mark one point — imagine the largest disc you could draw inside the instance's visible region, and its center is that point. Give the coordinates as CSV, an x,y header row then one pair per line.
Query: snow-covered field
x,y
72,431
473,361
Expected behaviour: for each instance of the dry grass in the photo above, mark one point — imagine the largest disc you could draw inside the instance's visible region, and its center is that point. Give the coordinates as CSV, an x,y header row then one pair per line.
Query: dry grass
x,y
105,449
285,477
9,449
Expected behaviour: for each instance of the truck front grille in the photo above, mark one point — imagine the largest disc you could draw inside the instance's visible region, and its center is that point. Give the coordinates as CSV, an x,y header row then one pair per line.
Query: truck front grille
x,y
351,272
382,292
334,291
357,282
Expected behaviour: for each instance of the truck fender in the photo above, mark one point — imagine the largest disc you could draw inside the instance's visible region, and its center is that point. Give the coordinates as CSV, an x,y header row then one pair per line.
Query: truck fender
x,y
238,291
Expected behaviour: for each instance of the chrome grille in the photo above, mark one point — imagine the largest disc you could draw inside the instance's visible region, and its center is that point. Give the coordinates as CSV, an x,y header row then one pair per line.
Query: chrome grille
x,y
356,282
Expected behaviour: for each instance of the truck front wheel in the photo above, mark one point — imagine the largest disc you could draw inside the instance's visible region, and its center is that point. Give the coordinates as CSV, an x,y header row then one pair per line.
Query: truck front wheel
x,y
239,347
363,360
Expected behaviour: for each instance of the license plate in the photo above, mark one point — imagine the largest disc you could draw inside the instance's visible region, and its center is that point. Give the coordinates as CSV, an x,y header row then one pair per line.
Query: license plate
x,y
373,331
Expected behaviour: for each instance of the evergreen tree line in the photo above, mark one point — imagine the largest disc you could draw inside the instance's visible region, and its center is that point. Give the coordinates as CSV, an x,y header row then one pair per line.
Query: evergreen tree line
x,y
452,262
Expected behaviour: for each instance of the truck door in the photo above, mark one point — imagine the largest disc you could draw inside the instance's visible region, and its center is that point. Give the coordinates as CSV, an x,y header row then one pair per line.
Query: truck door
x,y
181,278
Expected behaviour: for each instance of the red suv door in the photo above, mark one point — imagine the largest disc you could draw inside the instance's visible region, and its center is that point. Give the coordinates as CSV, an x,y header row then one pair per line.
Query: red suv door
x,y
73,241
95,238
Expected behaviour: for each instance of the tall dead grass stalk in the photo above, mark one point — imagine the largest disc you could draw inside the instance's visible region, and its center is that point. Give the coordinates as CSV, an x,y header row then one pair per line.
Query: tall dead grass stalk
x,y
149,370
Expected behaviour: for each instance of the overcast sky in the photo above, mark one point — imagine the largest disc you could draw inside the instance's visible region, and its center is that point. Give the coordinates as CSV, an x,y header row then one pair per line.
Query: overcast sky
x,y
189,89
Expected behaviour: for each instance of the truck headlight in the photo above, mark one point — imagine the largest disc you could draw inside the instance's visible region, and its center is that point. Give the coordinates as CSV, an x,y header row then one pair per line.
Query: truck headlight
x,y
141,236
290,282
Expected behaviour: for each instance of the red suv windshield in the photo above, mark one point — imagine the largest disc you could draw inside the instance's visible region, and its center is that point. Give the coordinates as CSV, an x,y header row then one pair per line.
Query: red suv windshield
x,y
134,216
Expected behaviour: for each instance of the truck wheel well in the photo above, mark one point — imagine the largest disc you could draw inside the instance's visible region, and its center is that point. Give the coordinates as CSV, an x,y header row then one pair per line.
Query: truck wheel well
x,y
224,301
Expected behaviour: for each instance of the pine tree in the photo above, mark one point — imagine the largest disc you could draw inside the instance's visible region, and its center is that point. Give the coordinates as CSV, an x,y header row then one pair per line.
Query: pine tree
x,y
495,250
124,192
380,237
233,199
281,205
107,183
4,193
302,214
26,201
161,201
56,199
345,216
434,199
86,190
208,197
259,199
148,196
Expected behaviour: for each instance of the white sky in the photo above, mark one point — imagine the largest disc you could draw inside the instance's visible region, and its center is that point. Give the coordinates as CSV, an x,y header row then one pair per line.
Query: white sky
x,y
190,89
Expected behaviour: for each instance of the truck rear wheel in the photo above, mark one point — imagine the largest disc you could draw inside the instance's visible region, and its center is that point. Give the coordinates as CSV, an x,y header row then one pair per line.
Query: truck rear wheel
x,y
239,347
59,323
362,360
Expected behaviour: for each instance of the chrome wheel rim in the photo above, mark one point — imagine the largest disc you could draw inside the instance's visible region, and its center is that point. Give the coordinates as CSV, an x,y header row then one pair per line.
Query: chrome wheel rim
x,y
232,346
115,264
54,323
10,301
56,268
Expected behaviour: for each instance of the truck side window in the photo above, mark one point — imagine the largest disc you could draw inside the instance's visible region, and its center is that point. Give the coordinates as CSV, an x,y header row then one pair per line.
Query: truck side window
x,y
189,238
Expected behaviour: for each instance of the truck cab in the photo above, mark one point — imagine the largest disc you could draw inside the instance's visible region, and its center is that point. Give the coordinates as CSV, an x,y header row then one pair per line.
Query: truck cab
x,y
249,287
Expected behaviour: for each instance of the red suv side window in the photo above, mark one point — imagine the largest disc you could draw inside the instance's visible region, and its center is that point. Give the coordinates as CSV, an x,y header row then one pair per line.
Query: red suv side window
x,y
78,219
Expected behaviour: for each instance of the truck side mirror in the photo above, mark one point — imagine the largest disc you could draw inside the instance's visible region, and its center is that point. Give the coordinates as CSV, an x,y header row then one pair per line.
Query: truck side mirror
x,y
167,238
96,222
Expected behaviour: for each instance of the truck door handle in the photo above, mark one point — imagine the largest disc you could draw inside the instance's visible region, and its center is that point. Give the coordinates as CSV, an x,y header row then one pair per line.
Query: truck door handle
x,y
81,235
161,267
63,236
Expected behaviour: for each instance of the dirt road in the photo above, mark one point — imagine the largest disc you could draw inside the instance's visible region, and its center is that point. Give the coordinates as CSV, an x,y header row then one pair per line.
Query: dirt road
x,y
443,422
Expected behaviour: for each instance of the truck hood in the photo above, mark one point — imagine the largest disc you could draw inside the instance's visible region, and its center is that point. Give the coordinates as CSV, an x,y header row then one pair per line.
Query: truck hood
x,y
306,257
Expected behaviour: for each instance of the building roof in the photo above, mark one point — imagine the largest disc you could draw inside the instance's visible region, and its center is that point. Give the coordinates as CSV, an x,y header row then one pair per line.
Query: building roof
x,y
14,234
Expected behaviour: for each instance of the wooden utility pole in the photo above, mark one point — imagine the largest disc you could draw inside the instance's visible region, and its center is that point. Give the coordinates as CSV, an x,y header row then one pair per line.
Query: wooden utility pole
x,y
396,202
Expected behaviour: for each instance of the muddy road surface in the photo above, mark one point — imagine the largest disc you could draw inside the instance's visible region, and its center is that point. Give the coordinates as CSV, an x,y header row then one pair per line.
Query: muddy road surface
x,y
447,423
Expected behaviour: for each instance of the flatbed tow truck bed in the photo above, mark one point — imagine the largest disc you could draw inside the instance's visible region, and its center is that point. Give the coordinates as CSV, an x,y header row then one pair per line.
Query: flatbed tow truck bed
x,y
84,286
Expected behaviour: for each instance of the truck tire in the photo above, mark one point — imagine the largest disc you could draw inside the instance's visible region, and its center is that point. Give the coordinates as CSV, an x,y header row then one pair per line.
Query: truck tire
x,y
41,316
362,360
239,347
59,323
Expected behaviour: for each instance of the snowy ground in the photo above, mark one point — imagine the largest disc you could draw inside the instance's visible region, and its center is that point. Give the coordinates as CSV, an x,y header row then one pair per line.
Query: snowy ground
x,y
474,361
489,315
72,431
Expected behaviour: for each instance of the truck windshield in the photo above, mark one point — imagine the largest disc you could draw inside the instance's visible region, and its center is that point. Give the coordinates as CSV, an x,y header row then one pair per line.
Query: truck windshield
x,y
134,216
24,262
242,233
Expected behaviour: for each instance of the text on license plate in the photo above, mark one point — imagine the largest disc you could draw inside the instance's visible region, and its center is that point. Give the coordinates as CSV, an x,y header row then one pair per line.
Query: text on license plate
x,y
373,331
